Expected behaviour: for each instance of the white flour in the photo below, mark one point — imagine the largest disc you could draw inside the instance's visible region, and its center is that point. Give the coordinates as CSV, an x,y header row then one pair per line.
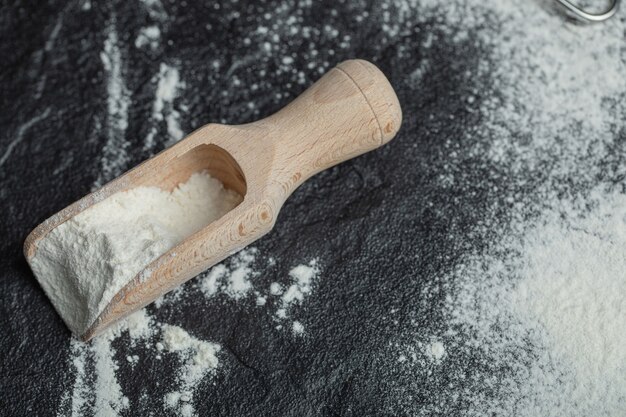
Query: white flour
x,y
435,351
115,151
303,277
168,89
85,261
297,328
234,281
149,35
553,310
101,394
141,334
574,285
533,310
98,392
199,358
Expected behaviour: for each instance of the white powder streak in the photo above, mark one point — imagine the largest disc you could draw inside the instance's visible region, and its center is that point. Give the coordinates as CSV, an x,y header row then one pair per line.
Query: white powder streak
x,y
101,394
168,86
211,283
21,131
238,284
173,127
109,397
80,391
114,153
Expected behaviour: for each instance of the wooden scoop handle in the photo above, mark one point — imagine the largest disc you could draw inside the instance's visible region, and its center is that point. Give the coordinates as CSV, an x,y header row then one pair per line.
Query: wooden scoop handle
x,y
351,110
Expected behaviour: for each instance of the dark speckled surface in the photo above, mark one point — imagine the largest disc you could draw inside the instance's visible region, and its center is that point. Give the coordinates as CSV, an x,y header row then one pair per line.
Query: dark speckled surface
x,y
382,226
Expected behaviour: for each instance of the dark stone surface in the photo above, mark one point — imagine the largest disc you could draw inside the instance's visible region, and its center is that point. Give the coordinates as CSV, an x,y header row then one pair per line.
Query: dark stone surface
x,y
381,226
363,219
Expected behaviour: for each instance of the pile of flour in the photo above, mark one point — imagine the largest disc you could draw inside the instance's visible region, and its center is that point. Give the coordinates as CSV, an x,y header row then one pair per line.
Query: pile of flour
x,y
85,261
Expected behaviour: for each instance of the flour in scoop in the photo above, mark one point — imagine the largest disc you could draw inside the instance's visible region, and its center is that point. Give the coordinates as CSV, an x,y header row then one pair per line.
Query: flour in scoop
x,y
85,261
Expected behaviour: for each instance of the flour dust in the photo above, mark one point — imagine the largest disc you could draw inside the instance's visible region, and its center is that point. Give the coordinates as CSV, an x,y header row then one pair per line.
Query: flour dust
x,y
529,320
115,151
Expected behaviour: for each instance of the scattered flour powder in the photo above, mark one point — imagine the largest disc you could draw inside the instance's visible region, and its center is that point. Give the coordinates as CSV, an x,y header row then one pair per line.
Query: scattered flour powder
x,y
115,150
85,261
435,351
550,306
579,297
297,328
149,35
145,340
572,294
234,281
199,358
169,85
532,313
100,393
303,277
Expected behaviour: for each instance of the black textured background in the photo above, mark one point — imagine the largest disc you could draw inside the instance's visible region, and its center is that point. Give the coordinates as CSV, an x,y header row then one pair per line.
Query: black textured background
x,y
381,226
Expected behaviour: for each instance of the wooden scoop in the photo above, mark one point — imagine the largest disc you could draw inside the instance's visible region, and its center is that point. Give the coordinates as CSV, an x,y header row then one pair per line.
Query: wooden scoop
x,y
351,110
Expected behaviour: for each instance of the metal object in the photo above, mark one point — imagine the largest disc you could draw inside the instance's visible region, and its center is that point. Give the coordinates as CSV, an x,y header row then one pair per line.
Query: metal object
x,y
590,17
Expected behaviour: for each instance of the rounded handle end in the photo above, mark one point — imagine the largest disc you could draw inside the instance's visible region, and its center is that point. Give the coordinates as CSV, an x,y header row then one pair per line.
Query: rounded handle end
x,y
378,93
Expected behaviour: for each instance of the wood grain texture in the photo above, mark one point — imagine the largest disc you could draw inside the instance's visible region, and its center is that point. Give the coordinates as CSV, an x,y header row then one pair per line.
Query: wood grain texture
x,y
351,110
